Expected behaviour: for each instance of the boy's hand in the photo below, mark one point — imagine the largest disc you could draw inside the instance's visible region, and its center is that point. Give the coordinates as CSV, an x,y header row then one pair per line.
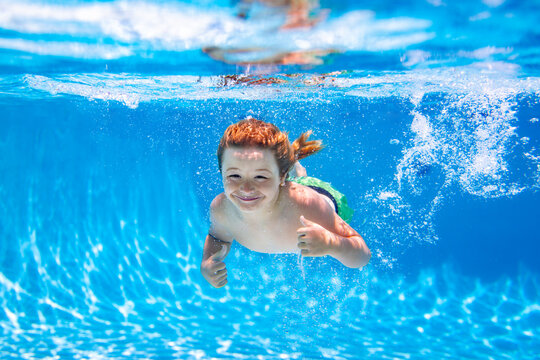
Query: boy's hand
x,y
213,269
313,239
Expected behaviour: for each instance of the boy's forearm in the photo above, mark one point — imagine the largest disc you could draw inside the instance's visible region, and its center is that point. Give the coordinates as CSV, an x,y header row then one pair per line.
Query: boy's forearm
x,y
212,245
350,251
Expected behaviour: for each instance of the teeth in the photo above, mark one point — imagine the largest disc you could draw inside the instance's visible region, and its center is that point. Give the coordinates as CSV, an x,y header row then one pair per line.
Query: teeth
x,y
246,198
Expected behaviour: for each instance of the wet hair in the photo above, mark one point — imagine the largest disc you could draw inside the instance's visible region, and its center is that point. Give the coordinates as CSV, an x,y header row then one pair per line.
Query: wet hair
x,y
251,132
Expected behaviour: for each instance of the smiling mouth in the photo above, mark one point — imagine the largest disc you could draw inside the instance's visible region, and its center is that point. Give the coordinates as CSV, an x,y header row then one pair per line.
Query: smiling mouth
x,y
247,198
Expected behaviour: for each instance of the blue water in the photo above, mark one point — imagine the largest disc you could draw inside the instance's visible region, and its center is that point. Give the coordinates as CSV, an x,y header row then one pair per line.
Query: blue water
x,y
110,117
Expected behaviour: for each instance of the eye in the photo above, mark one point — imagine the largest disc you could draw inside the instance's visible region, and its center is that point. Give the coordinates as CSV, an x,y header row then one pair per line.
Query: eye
x,y
233,176
261,177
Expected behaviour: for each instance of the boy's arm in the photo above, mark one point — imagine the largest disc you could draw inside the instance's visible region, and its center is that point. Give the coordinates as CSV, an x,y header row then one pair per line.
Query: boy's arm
x,y
216,247
343,243
323,232
213,268
213,246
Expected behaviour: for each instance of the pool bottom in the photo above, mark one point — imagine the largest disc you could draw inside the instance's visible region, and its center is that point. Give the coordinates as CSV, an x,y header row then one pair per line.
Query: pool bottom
x,y
439,314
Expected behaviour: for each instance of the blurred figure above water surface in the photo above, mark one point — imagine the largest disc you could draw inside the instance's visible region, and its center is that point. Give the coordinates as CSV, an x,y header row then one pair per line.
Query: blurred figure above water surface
x,y
281,15
298,13
262,56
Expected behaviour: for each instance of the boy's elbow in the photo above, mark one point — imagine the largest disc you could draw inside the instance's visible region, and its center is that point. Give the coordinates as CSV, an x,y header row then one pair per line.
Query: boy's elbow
x,y
358,256
362,259
366,257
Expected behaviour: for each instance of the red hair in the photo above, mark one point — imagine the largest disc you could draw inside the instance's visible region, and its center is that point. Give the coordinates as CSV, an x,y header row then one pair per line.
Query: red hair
x,y
257,133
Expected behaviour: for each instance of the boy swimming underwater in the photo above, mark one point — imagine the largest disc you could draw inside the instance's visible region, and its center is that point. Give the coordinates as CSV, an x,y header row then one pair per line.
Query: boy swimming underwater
x,y
267,212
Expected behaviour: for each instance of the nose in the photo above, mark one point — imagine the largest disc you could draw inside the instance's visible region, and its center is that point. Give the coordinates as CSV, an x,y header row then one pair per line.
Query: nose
x,y
247,186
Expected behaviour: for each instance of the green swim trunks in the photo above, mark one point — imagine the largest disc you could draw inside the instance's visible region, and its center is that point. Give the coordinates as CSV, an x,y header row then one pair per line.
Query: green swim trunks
x,y
324,188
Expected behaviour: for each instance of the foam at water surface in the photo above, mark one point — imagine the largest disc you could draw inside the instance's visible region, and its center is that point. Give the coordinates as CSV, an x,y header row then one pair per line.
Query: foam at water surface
x,y
489,79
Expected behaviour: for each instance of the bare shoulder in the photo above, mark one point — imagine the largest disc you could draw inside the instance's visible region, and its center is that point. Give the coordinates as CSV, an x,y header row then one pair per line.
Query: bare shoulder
x,y
219,209
218,204
314,207
308,201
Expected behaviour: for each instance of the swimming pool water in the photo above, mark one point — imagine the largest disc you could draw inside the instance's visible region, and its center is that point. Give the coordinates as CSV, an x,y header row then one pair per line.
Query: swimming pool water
x,y
110,118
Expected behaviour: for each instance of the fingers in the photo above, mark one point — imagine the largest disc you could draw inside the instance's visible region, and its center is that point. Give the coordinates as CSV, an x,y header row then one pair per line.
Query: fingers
x,y
221,283
215,272
302,232
305,249
218,266
303,238
218,270
308,226
305,221
304,246
219,278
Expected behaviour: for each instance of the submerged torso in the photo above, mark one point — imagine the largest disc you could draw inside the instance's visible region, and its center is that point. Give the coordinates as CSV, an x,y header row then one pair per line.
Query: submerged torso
x,y
277,233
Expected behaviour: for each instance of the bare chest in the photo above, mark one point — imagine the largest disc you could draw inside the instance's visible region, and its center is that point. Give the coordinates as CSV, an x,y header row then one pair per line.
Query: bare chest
x,y
268,238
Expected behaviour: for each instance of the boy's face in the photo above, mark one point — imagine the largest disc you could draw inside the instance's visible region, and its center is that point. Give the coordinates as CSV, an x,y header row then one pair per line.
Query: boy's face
x,y
250,177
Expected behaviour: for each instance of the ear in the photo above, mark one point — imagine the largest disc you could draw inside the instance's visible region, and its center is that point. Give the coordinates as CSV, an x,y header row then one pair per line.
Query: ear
x,y
282,180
